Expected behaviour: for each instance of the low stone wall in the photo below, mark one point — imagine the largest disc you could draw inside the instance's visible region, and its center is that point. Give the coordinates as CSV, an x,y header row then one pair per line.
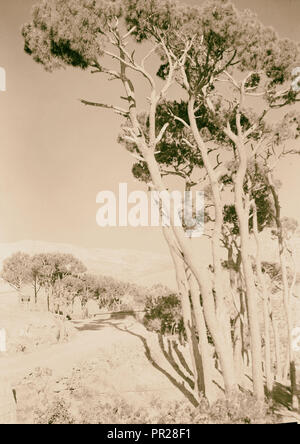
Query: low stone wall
x,y
27,331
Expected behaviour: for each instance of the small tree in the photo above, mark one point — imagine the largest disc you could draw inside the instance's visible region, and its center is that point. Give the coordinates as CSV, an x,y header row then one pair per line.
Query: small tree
x,y
16,269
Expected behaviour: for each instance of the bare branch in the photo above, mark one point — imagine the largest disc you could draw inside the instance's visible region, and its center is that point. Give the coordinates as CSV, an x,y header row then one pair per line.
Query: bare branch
x,y
179,119
101,70
189,144
161,133
118,110
228,131
182,63
250,130
257,147
254,94
172,67
232,80
148,55
131,65
136,156
125,36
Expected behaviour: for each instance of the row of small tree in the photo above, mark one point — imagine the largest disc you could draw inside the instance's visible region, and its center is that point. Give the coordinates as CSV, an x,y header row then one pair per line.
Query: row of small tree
x,y
62,278
49,271
230,73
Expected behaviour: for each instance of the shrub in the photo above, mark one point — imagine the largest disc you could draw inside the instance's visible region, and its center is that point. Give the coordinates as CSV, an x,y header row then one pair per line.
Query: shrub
x,y
241,408
55,412
163,315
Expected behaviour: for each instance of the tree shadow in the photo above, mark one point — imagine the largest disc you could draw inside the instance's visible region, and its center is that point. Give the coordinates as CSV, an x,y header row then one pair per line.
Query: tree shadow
x,y
95,325
179,385
181,358
169,357
99,322
282,396
122,314
218,385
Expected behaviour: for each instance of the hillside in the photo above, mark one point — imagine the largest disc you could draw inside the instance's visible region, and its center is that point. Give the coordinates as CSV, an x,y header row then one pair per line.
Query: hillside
x,y
137,266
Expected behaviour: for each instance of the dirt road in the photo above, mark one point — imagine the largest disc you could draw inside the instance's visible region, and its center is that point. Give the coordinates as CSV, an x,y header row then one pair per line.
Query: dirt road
x,y
121,345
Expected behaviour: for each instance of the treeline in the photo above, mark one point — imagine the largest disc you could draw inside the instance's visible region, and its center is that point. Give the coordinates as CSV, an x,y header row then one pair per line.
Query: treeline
x,y
62,277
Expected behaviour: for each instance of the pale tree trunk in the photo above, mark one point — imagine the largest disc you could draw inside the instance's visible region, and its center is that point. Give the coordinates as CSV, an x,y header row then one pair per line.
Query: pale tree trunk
x,y
286,294
203,341
147,150
48,299
221,344
224,353
274,324
238,338
242,210
255,337
35,292
290,352
222,313
186,309
266,308
49,291
276,338
237,302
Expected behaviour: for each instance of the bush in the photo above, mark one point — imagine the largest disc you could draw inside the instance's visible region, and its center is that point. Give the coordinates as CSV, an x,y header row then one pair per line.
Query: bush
x,y
241,408
163,315
55,412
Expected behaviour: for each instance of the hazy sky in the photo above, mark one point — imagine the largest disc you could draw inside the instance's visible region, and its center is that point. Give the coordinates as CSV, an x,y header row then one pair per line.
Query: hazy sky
x,y
56,154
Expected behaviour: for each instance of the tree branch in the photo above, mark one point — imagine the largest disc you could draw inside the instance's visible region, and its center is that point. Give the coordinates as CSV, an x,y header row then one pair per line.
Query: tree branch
x,y
161,133
118,110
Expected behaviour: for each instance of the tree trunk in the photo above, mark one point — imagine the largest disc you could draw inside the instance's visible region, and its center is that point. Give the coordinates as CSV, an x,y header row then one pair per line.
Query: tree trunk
x,y
266,308
242,210
186,310
274,325
237,302
224,353
238,339
286,293
35,292
255,337
147,150
203,341
222,312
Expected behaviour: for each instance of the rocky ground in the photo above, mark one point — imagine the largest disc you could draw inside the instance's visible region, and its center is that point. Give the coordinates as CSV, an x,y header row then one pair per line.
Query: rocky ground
x,y
103,359
107,359
28,330
98,359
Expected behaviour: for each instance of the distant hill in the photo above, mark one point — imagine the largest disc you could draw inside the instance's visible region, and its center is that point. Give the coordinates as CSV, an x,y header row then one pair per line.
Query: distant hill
x,y
141,267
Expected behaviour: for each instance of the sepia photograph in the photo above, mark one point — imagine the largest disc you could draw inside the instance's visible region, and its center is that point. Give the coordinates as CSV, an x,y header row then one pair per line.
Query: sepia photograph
x,y
149,214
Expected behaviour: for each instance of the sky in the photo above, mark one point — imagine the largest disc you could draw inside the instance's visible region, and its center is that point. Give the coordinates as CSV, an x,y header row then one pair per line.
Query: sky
x,y
56,155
